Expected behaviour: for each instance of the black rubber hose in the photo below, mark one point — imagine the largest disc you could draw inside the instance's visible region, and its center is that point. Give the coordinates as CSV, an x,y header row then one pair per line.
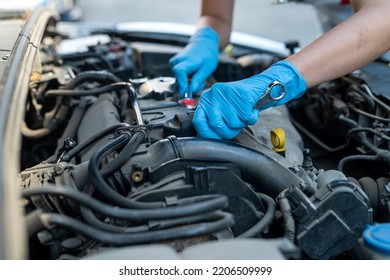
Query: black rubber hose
x,y
124,155
369,100
73,123
87,92
348,159
137,215
266,174
102,90
264,222
54,123
103,188
34,223
348,121
366,129
371,116
289,222
314,138
376,99
379,153
102,77
91,219
88,55
121,239
94,138
88,216
205,217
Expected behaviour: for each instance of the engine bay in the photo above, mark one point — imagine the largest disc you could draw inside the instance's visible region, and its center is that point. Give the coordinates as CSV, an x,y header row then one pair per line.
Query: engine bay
x,y
110,159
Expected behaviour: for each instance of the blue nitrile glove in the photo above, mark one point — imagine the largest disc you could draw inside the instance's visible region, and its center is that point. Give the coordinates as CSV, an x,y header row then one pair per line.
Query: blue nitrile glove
x,y
226,108
199,59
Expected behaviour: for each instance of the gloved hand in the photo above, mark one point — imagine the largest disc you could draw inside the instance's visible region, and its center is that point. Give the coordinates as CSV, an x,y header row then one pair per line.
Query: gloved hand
x,y
226,108
199,59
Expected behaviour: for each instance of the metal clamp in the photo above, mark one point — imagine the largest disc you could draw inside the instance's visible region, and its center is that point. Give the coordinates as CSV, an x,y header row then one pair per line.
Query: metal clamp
x,y
268,98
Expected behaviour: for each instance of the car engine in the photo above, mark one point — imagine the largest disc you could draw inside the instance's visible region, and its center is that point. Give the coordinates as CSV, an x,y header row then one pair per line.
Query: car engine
x,y
111,166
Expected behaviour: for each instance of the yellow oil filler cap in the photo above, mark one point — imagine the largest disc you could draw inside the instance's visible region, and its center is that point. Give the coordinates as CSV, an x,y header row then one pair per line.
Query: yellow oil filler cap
x,y
229,50
278,138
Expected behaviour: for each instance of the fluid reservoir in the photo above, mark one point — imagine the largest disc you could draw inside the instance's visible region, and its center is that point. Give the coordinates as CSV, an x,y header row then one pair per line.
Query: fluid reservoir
x,y
377,240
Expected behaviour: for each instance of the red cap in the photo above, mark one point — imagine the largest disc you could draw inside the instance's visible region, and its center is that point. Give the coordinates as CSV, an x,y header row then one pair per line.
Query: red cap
x,y
188,102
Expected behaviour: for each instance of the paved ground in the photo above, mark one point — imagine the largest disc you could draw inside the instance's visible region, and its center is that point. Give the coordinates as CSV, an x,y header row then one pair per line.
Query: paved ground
x,y
259,17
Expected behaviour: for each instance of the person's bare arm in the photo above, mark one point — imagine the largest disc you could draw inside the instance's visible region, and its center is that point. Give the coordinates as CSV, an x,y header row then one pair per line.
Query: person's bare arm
x,y
218,14
350,45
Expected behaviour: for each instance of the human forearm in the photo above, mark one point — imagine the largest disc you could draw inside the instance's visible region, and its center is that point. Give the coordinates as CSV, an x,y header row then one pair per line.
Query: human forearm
x,y
218,14
348,46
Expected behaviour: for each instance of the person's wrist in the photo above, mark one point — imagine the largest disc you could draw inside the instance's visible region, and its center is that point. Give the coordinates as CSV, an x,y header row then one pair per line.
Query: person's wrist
x,y
299,82
207,33
288,75
291,78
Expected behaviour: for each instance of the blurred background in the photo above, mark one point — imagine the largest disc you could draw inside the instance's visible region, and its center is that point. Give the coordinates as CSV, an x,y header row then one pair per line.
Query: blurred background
x,y
291,21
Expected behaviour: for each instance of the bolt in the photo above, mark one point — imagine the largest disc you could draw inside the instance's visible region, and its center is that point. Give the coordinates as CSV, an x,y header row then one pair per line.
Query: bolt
x,y
137,176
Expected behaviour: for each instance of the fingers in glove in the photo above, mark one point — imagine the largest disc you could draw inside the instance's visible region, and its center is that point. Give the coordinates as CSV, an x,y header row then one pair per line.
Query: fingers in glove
x,y
199,78
230,118
174,60
181,71
236,113
251,117
181,80
219,125
201,124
